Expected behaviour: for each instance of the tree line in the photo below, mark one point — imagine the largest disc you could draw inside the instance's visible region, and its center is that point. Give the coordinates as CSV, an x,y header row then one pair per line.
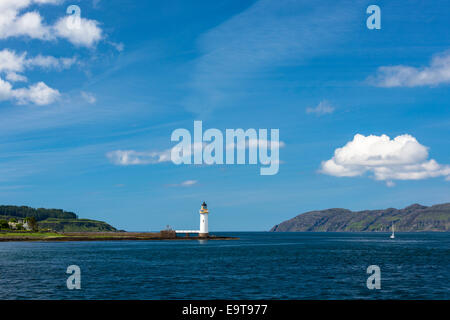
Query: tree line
x,y
39,214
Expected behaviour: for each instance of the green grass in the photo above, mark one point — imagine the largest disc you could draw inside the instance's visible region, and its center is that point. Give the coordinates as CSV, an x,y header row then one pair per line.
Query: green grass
x,y
31,234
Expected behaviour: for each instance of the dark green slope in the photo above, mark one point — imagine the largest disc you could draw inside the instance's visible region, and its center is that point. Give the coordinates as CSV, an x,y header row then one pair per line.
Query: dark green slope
x,y
412,218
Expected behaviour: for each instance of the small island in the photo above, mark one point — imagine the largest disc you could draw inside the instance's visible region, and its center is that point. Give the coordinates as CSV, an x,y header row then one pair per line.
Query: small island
x,y
21,223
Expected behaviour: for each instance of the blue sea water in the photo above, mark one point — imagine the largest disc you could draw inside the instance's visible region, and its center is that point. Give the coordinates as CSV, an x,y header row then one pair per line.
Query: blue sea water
x,y
260,265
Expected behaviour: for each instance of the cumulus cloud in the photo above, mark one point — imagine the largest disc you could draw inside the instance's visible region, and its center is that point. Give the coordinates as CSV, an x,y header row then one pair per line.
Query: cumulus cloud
x,y
15,23
13,64
39,93
86,33
132,157
321,109
401,158
438,72
21,18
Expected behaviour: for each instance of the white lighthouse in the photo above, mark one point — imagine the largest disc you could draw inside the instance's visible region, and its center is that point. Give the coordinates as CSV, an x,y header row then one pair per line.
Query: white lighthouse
x,y
203,232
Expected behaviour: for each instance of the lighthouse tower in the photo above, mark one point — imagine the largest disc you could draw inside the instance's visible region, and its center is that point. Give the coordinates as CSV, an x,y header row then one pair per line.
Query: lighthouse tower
x,y
203,220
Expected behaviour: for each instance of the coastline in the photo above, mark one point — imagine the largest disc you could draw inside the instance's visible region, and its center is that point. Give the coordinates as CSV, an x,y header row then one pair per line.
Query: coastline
x,y
102,236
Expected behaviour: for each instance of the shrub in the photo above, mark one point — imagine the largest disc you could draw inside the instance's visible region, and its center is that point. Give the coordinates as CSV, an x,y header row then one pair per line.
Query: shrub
x,y
4,224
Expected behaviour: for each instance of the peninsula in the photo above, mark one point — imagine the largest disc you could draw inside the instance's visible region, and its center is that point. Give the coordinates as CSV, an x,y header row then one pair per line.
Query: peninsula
x,y
29,224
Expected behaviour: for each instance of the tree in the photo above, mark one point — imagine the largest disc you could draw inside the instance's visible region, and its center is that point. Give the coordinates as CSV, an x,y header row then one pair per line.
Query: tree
x,y
32,224
4,224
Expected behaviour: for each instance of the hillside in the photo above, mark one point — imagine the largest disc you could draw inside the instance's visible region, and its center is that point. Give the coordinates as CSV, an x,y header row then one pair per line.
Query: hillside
x,y
413,218
55,219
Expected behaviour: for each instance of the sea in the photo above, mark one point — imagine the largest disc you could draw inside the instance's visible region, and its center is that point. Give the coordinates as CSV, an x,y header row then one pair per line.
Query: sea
x,y
260,265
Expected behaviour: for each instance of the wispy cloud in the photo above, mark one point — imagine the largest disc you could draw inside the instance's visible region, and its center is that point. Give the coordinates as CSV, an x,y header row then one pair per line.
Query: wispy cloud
x,y
438,72
119,46
266,35
10,61
324,107
132,157
88,97
187,183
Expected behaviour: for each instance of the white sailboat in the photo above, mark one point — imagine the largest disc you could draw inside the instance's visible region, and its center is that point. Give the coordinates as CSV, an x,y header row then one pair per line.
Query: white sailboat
x,y
393,232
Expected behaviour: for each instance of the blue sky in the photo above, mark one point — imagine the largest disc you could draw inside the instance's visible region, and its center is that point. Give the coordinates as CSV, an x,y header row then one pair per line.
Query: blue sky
x,y
141,69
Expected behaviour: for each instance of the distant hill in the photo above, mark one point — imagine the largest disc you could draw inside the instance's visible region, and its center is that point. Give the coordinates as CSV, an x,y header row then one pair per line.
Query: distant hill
x,y
54,219
413,218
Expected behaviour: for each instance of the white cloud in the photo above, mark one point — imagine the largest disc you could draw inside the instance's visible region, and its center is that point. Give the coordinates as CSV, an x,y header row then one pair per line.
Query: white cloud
x,y
119,46
39,94
86,34
12,62
14,77
401,158
187,183
131,157
438,72
49,62
14,23
390,184
5,90
321,109
89,97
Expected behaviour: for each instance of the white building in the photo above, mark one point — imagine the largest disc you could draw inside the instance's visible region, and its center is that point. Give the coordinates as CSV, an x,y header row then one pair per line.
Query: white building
x,y
203,220
203,231
21,222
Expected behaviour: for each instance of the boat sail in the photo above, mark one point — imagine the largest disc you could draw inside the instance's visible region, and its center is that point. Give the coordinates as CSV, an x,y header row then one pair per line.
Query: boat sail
x,y
393,232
